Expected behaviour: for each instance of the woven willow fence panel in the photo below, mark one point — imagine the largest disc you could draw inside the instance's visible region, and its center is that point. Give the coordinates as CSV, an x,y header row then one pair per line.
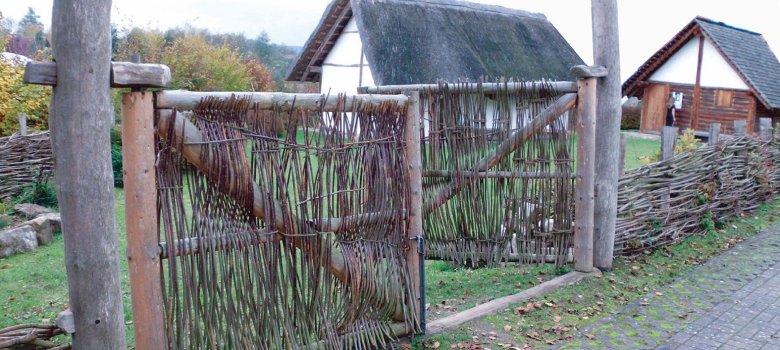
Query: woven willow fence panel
x,y
666,201
255,260
521,209
23,161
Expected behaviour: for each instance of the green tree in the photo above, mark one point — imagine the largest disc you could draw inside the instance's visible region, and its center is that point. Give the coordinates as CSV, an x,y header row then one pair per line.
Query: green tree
x,y
17,97
30,36
196,65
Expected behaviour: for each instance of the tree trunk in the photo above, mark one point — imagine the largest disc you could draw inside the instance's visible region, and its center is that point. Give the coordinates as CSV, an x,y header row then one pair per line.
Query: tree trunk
x,y
80,119
606,53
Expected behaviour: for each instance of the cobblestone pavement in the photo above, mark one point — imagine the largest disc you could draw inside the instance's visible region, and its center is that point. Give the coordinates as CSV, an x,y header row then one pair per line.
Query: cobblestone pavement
x,y
730,302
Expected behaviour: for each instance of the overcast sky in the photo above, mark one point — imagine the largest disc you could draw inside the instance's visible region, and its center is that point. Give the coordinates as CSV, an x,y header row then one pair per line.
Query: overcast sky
x,y
644,25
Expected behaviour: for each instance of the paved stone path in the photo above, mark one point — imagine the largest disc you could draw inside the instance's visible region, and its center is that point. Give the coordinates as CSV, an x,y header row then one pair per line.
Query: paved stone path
x,y
730,302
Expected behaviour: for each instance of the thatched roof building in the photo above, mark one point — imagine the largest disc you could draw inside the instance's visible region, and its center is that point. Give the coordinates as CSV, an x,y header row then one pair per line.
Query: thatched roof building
x,y
393,42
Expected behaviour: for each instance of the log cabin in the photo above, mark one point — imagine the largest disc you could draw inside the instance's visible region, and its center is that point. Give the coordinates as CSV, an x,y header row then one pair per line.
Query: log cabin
x,y
400,42
717,73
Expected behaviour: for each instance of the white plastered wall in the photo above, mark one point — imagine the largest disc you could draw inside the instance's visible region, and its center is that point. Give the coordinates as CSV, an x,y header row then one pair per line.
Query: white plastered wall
x,y
341,70
715,70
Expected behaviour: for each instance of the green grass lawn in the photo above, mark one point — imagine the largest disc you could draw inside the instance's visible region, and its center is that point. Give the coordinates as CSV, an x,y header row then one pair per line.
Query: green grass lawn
x,y
636,147
34,286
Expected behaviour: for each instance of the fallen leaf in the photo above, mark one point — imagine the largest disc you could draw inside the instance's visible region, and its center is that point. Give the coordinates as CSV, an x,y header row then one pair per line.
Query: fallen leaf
x,y
507,328
533,335
589,336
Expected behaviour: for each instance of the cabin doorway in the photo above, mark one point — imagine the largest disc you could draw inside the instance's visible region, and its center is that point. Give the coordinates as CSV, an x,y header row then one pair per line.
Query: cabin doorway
x,y
654,107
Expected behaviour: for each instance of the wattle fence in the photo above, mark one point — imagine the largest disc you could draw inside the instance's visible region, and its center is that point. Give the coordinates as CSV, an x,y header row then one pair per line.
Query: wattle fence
x,y
664,202
24,160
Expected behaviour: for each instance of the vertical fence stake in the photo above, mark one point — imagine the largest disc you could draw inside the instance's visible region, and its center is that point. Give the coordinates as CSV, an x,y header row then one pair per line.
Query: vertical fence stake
x,y
740,128
765,127
714,135
22,124
586,152
414,157
668,139
141,219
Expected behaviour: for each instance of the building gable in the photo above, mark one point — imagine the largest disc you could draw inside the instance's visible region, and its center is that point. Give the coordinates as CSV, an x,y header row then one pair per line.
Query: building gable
x,y
716,72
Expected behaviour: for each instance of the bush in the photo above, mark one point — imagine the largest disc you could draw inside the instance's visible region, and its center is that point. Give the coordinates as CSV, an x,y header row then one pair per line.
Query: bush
x,y
116,157
632,111
42,192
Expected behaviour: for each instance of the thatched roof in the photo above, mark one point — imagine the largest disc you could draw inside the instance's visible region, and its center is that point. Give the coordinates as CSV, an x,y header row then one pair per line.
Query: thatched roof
x,y
423,41
747,52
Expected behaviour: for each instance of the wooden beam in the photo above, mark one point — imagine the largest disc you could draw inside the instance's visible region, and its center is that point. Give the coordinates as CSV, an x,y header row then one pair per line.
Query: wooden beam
x,y
497,174
127,74
515,140
697,86
123,74
500,304
346,11
606,52
187,100
586,154
415,229
583,71
560,86
141,219
80,120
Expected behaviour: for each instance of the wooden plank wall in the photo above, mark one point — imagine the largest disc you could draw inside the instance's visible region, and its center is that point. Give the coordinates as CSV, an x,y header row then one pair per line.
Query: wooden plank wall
x,y
709,112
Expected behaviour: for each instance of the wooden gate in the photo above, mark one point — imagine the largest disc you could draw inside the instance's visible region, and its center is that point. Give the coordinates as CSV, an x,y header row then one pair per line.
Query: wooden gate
x,y
282,221
499,171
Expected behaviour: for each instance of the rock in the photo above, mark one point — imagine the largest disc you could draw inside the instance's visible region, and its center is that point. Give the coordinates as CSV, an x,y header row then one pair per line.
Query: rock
x,y
18,240
30,210
43,227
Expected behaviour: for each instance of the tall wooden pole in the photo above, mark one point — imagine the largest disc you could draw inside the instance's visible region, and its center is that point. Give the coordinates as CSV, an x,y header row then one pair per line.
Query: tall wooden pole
x,y
606,53
80,119
141,219
586,149
415,233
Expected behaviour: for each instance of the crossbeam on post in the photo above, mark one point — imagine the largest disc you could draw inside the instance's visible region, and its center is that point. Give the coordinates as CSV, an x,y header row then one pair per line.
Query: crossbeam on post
x,y
123,74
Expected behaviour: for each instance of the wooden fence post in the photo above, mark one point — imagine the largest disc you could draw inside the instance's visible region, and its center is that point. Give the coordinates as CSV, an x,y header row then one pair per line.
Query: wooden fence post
x,y
740,128
141,219
765,127
415,234
714,135
606,53
668,139
22,124
586,154
80,120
